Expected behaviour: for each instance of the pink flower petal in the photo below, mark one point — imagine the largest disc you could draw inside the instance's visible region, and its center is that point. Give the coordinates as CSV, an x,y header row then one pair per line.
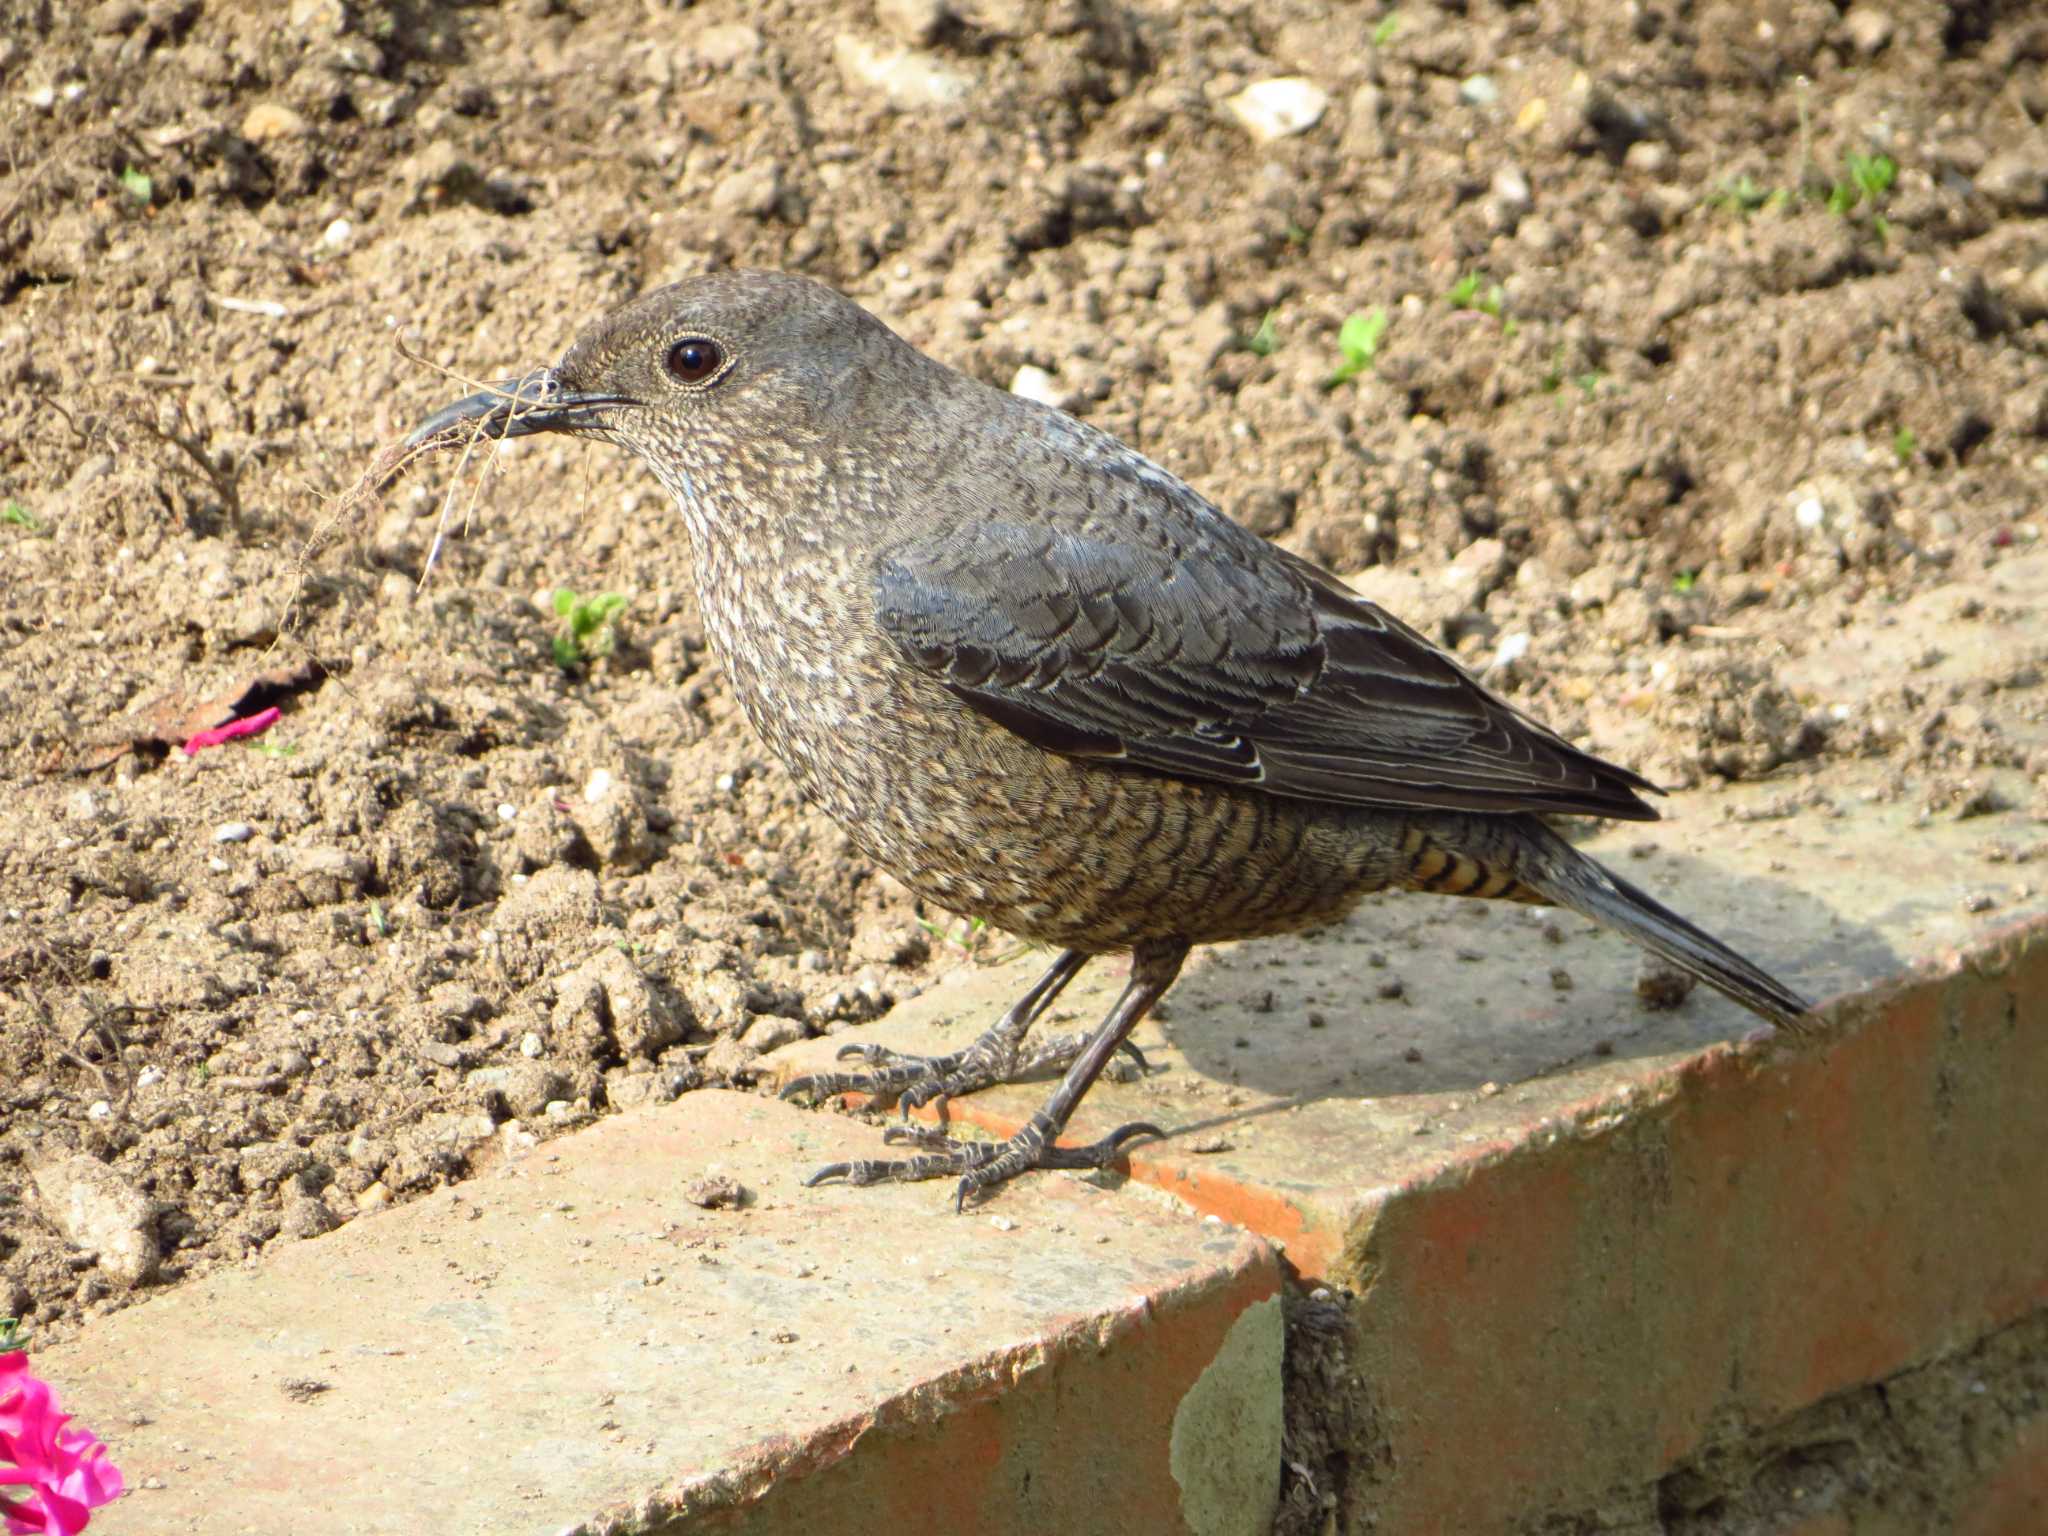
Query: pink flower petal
x,y
248,725
66,1471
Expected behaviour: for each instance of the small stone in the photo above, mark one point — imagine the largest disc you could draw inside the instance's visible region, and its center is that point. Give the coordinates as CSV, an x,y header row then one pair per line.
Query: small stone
x,y
374,1197
771,1031
724,46
523,1088
306,1217
531,1045
915,22
98,1210
1660,984
1868,28
2016,180
337,235
716,1192
1278,109
1560,979
910,80
1034,383
113,17
754,190
1648,157
1511,190
730,1060
1478,91
268,121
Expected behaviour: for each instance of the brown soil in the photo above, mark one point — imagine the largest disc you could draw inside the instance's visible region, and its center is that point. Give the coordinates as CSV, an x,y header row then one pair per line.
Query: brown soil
x,y
459,896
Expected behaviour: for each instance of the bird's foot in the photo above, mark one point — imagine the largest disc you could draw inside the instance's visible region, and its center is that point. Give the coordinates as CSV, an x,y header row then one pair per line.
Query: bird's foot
x,y
916,1080
980,1164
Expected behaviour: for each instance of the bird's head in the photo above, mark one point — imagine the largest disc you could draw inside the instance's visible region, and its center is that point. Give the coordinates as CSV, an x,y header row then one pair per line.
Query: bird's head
x,y
731,377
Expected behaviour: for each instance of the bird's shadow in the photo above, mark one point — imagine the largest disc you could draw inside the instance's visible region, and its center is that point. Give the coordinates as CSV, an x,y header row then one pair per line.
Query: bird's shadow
x,y
1423,994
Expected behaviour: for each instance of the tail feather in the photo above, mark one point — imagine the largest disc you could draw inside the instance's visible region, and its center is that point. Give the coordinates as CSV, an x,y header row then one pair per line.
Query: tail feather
x,y
1567,878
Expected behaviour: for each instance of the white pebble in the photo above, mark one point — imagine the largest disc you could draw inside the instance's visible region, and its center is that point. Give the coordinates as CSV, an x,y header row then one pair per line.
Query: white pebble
x,y
530,1045
1512,649
337,234
233,832
1278,109
1810,513
149,1077
1034,383
506,812
1002,1223
1478,91
99,1109
597,786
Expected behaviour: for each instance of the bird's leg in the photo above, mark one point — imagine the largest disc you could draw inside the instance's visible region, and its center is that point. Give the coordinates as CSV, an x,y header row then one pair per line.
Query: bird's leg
x,y
996,1057
981,1164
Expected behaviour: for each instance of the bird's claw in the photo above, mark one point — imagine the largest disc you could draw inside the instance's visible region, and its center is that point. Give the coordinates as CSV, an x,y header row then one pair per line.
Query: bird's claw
x,y
979,1164
914,1081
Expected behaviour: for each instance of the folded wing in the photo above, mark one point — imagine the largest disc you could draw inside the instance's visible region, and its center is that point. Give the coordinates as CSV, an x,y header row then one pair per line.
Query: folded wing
x,y
1186,646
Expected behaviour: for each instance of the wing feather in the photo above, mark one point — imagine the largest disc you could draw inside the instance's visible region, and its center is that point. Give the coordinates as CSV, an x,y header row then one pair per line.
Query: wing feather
x,y
1176,642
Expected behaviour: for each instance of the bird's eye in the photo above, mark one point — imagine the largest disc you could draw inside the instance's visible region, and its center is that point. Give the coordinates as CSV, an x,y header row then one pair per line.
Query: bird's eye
x,y
694,359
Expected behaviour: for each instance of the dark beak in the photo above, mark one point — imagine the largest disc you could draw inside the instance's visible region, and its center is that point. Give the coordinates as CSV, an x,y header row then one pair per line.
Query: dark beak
x,y
517,408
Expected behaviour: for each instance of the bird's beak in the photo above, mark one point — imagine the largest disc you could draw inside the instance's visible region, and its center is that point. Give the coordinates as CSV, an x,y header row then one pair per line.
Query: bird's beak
x,y
517,408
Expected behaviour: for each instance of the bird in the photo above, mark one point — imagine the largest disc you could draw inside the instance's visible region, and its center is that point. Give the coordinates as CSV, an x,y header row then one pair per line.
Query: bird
x,y
1045,683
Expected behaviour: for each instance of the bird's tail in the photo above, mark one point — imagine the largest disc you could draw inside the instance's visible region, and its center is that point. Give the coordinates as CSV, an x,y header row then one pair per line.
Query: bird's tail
x,y
1518,858
1560,874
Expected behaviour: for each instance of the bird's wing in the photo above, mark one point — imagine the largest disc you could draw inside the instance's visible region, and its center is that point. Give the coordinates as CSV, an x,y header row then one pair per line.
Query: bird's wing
x,y
1184,645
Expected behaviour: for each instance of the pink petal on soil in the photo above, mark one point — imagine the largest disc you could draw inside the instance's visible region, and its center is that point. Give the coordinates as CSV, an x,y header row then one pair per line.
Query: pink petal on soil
x,y
249,725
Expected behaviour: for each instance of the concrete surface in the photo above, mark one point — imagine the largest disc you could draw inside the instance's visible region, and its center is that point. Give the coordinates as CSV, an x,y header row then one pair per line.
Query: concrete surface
x,y
1300,1100
572,1346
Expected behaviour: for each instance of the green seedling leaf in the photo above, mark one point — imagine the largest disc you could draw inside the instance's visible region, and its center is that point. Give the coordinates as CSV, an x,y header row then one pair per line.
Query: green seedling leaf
x,y
1873,174
1389,24
1744,194
14,513
1904,445
1464,291
1685,581
1359,342
1265,341
137,185
587,629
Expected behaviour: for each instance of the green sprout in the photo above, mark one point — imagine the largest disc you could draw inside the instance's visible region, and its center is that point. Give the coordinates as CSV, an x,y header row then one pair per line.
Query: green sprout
x,y
1265,341
589,629
1745,195
1466,294
1905,443
13,1335
16,515
137,184
1870,178
1389,24
1359,341
1685,581
1473,292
